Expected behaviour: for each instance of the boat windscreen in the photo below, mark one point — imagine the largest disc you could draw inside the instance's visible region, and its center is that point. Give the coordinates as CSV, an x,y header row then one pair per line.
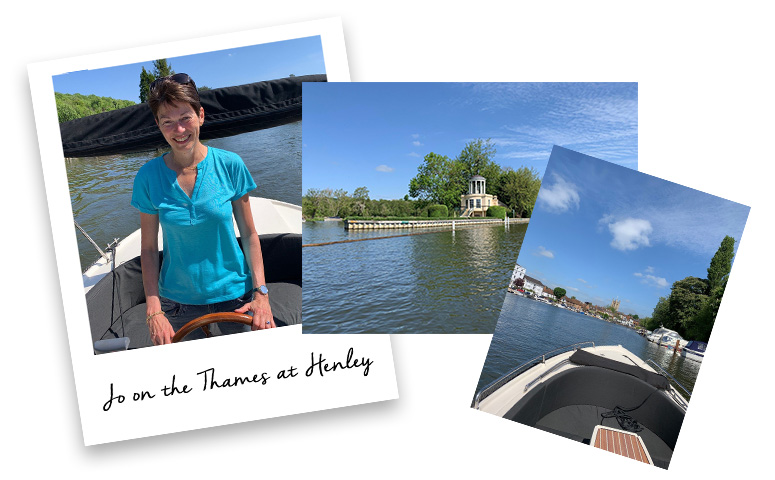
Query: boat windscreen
x,y
582,357
228,111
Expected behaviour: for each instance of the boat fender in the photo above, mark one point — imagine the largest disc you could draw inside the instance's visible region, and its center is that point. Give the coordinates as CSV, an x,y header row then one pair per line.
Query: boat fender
x,y
111,345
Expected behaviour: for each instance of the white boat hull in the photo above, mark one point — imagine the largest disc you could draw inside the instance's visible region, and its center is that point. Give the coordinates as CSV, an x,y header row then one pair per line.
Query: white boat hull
x,y
697,357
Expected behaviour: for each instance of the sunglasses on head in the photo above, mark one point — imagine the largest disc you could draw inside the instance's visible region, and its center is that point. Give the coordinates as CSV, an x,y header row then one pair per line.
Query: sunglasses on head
x,y
181,78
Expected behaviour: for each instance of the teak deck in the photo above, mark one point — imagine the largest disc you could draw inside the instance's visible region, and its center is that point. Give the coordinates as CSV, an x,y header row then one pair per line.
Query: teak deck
x,y
622,443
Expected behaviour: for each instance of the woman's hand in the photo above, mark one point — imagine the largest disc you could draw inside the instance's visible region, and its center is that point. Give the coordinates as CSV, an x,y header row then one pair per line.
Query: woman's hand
x,y
161,330
262,312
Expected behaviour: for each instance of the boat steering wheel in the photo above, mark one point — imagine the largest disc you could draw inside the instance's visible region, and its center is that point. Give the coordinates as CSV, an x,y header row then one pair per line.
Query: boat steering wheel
x,y
205,320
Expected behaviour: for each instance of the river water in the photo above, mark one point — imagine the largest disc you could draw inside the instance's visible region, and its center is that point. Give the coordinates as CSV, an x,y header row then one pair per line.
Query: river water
x,y
101,187
439,282
528,328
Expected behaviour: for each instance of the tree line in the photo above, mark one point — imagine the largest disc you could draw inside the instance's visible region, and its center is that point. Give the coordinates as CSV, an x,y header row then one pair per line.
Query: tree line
x,y
693,303
326,202
442,180
74,105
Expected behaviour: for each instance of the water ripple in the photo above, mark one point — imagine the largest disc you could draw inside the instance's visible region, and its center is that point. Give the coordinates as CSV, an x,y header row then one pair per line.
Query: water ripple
x,y
440,282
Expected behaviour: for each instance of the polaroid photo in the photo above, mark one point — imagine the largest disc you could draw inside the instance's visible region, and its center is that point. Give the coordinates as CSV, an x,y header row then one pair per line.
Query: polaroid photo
x,y
610,308
230,105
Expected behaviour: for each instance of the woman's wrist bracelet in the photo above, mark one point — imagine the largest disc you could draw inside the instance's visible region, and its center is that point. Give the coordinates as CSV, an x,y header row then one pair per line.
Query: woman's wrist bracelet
x,y
149,317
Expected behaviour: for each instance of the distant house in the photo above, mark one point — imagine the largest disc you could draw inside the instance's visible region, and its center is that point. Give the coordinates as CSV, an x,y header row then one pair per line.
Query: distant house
x,y
576,303
536,286
476,202
519,273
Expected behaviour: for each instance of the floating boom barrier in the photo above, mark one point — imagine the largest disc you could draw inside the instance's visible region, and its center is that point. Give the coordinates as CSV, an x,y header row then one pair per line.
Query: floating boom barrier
x,y
450,223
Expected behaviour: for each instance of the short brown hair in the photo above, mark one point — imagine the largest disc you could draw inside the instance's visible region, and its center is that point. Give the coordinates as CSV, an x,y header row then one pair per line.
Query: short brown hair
x,y
165,90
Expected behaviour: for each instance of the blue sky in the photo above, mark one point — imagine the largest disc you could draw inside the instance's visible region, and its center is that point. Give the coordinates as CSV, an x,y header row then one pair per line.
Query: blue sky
x,y
376,134
601,232
222,68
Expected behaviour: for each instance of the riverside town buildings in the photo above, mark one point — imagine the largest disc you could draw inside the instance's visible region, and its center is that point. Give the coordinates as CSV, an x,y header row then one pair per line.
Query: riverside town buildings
x,y
520,281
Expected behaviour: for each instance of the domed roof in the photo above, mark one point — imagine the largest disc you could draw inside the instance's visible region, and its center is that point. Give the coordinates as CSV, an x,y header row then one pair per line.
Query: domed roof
x,y
477,177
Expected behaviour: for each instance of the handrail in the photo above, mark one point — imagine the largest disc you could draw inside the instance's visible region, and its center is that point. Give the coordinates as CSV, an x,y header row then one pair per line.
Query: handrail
x,y
667,375
541,377
94,244
490,388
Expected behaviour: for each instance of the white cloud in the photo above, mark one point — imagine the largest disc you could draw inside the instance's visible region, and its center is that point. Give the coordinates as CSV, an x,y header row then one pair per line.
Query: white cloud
x,y
415,154
581,280
415,135
544,252
657,281
630,233
384,168
652,280
560,196
417,143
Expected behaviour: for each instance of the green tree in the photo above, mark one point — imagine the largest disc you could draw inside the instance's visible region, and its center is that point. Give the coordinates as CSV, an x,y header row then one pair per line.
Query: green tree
x,y
647,323
161,68
342,203
687,298
438,181
361,200
559,292
496,211
438,211
519,190
146,78
702,323
476,159
310,203
661,315
721,264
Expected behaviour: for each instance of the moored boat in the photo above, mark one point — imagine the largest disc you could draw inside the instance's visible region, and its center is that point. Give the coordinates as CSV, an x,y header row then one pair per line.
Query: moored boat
x,y
572,390
666,337
694,350
672,340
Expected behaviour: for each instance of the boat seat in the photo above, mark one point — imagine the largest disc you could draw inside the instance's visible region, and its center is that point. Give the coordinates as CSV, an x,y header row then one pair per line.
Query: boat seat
x,y
572,402
121,312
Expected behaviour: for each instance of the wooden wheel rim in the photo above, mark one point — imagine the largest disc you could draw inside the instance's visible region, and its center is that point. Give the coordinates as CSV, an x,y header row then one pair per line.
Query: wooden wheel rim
x,y
205,320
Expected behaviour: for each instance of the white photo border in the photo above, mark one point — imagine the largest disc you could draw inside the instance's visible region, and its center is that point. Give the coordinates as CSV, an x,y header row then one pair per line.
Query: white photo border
x,y
244,355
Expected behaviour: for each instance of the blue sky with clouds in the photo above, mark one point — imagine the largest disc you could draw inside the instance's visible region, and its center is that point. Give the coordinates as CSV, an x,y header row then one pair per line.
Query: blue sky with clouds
x,y
602,231
376,134
221,68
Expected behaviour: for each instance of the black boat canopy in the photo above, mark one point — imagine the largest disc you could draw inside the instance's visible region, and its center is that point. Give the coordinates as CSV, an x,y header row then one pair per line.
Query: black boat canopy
x,y
582,357
228,111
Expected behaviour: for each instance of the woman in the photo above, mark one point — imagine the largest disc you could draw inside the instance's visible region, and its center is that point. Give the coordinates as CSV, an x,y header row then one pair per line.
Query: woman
x,y
192,191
